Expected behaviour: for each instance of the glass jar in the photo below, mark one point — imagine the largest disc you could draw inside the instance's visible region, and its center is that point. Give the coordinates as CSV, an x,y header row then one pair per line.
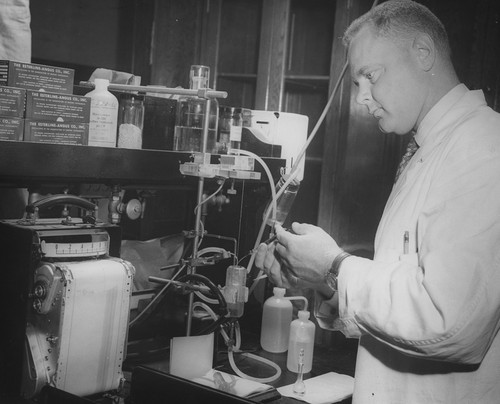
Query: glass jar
x,y
190,117
130,121
230,127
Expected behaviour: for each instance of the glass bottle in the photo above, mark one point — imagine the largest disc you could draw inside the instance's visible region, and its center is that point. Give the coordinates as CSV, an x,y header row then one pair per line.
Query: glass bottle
x,y
190,117
103,115
130,121
284,202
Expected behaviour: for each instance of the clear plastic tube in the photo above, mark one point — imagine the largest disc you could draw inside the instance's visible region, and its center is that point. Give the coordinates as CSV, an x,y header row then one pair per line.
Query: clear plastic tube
x,y
236,349
209,197
293,174
215,250
270,379
269,177
303,298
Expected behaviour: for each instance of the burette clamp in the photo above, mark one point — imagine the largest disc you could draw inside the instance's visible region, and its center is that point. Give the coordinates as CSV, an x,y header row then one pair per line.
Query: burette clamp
x,y
194,233
203,261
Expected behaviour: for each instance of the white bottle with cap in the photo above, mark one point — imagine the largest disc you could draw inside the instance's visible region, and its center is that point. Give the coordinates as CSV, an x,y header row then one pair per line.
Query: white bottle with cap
x,y
302,332
276,318
103,115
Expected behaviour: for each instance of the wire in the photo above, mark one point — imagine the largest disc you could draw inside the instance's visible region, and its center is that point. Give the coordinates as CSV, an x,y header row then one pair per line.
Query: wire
x,y
213,288
209,197
214,316
155,300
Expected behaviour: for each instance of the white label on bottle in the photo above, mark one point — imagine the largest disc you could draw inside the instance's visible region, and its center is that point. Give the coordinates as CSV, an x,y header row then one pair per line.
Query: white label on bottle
x,y
103,123
235,133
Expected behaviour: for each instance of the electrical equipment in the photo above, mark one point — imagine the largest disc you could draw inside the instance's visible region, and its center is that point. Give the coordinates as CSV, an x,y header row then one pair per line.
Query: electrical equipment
x,y
229,166
265,131
65,304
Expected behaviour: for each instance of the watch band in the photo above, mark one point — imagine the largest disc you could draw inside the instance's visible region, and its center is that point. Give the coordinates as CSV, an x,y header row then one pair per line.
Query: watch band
x,y
333,273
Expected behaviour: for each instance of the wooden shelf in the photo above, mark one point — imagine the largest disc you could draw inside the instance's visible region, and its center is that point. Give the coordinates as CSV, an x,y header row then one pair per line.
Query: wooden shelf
x,y
23,164
306,82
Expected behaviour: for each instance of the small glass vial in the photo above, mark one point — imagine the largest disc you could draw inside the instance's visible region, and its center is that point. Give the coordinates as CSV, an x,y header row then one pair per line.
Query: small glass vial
x,y
130,121
190,117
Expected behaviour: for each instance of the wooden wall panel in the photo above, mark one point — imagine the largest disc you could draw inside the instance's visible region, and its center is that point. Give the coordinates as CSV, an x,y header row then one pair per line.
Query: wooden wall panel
x,y
176,44
272,53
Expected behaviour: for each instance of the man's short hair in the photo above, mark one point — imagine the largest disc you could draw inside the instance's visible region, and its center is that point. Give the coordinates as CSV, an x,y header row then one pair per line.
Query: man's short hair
x,y
399,20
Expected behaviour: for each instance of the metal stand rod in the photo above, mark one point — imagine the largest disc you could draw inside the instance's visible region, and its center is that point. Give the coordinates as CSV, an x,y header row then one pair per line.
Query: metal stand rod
x,y
202,92
197,227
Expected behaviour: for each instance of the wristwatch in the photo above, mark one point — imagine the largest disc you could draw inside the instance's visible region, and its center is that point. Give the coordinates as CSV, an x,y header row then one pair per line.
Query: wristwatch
x,y
332,274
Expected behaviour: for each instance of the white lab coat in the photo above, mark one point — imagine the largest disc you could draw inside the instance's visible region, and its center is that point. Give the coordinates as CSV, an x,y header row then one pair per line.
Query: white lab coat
x,y
428,320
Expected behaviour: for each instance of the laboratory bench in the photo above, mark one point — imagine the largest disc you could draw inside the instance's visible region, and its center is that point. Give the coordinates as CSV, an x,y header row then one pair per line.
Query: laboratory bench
x,y
338,357
25,164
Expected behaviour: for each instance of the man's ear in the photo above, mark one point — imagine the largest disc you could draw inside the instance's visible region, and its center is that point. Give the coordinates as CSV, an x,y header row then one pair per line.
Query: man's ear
x,y
425,51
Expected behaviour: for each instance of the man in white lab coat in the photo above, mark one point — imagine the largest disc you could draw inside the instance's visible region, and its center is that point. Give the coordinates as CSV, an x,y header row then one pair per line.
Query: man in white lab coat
x,y
426,309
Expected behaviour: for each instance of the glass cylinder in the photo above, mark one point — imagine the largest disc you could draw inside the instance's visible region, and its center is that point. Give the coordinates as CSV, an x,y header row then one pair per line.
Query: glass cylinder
x,y
191,113
284,202
130,121
235,291
229,129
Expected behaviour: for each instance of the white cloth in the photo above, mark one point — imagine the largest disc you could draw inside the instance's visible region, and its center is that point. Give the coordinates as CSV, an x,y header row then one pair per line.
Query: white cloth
x,y
15,31
218,379
324,389
428,320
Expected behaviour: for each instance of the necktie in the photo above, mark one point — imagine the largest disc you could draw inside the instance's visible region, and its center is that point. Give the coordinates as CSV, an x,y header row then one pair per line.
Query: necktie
x,y
410,151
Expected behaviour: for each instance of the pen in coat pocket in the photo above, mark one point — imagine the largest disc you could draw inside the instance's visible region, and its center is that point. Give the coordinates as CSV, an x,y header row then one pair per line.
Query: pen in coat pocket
x,y
406,242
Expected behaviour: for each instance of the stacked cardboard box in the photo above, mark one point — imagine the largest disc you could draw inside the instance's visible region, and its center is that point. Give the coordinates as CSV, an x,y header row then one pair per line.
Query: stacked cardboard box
x,y
12,104
51,112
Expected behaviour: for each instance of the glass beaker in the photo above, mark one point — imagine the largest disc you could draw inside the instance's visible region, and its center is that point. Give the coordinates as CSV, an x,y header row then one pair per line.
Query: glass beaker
x,y
190,118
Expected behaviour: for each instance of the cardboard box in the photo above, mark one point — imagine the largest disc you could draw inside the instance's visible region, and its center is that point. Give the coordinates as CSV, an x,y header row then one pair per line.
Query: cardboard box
x,y
36,77
45,106
72,133
11,128
12,102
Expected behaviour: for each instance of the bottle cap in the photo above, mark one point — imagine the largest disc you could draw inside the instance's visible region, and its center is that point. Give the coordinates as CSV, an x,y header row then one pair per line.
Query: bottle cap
x,y
101,83
303,315
131,96
279,292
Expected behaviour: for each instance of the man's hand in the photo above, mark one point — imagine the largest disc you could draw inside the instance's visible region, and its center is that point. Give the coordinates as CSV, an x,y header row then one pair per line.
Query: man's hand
x,y
298,259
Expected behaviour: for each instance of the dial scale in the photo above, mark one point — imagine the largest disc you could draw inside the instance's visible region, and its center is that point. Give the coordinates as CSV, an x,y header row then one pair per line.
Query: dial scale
x,y
77,243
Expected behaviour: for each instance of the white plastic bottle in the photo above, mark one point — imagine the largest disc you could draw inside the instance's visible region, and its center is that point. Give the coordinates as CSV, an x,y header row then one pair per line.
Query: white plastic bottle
x,y
103,115
276,319
302,332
